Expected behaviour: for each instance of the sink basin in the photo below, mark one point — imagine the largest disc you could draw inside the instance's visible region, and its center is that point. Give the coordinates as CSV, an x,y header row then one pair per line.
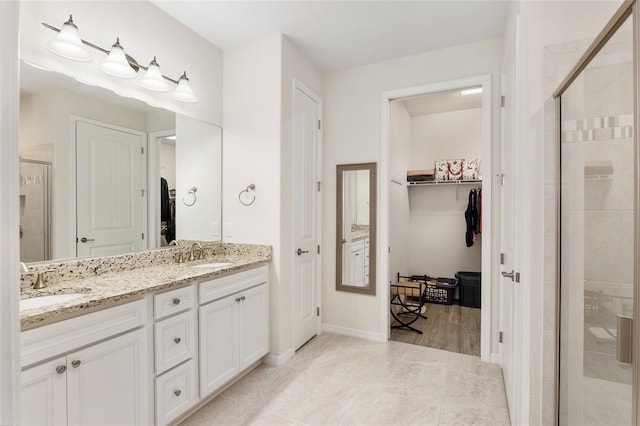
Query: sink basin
x,y
213,265
38,302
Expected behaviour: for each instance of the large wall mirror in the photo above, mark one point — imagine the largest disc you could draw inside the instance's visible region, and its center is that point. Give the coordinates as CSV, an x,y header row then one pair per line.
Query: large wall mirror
x,y
356,228
102,174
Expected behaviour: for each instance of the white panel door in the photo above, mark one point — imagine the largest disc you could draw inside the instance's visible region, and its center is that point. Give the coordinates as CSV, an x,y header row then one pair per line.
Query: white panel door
x,y
110,190
218,344
510,235
44,394
107,383
306,217
253,318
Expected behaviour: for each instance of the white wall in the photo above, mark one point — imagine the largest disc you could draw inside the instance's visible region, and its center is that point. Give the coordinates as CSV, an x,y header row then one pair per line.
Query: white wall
x,y
258,149
437,244
198,162
9,217
144,31
353,134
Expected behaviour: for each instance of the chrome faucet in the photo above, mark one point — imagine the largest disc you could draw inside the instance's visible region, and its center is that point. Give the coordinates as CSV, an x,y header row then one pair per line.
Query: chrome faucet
x,y
40,282
24,268
192,256
173,243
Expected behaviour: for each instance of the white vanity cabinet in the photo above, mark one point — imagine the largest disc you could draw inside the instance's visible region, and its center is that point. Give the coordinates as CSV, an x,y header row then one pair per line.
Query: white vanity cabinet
x,y
102,383
357,263
175,332
234,326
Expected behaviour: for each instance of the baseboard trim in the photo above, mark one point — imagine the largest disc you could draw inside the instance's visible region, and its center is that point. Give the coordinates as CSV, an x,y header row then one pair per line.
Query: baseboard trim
x,y
351,332
278,360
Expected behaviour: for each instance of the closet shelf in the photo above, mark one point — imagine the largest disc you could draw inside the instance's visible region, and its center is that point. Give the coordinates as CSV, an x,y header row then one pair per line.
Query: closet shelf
x,y
444,182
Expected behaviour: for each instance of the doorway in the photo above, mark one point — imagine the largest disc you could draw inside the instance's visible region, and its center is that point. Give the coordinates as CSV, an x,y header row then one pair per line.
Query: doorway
x,y
394,177
598,228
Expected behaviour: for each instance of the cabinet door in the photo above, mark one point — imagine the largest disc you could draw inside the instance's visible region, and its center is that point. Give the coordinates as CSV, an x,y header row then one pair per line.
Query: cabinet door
x,y
357,267
44,394
107,383
218,344
253,316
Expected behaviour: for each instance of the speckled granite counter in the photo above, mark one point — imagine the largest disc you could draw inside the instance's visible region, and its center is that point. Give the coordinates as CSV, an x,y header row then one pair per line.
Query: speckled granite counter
x,y
113,280
359,235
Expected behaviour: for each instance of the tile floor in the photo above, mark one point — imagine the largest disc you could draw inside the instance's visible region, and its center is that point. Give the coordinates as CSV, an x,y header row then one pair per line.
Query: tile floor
x,y
338,380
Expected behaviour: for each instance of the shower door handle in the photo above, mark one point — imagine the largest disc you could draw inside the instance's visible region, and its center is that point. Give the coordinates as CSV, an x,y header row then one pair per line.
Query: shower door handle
x,y
624,339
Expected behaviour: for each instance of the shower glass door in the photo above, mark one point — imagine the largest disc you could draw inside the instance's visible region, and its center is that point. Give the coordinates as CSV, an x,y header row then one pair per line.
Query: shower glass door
x,y
597,231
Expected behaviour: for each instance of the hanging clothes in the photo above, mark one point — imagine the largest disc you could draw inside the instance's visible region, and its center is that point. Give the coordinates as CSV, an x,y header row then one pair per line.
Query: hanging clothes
x,y
479,211
471,217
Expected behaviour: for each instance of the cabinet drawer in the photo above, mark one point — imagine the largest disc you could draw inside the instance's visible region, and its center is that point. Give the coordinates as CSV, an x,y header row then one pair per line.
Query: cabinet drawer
x,y
221,287
47,341
175,392
173,301
175,340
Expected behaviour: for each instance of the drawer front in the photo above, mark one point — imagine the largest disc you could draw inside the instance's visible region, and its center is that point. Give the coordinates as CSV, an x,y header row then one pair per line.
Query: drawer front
x,y
49,340
221,287
175,392
175,340
174,301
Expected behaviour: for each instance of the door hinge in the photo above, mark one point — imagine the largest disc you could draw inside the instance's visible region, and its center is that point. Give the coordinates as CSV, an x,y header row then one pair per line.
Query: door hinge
x,y
501,336
502,258
319,184
318,311
517,277
318,248
319,125
141,150
142,191
502,101
143,235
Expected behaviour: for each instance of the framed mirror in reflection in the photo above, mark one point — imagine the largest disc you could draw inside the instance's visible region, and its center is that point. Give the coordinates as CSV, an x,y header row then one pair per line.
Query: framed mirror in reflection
x,y
356,228
101,174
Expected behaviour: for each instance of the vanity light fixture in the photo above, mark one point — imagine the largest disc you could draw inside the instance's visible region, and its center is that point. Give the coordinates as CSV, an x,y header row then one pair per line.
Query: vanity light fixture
x,y
69,45
117,63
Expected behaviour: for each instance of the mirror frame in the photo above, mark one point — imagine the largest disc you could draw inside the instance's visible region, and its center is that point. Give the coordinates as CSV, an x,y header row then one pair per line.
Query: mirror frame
x,y
340,169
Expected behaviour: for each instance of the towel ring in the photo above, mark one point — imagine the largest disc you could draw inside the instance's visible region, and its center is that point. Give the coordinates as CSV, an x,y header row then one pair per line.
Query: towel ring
x,y
192,192
251,187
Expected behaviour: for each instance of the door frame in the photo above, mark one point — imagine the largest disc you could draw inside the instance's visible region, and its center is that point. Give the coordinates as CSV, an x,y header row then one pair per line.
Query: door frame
x,y
299,85
73,205
153,186
487,182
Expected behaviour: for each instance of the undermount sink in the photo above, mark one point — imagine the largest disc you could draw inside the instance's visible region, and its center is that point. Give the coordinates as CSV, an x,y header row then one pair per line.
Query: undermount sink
x,y
40,301
213,265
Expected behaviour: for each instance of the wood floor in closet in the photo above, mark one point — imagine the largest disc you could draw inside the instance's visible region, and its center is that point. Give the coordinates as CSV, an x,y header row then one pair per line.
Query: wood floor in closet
x,y
453,328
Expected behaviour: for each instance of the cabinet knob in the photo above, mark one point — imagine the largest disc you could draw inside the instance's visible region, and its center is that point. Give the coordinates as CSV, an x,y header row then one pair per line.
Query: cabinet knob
x,y
177,392
75,363
240,299
176,301
61,369
177,340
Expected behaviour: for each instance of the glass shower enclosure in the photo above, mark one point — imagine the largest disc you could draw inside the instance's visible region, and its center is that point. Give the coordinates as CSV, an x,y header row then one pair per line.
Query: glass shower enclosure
x,y
35,208
598,227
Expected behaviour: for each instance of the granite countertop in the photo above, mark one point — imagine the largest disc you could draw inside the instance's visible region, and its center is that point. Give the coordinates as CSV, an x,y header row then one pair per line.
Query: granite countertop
x,y
112,288
359,235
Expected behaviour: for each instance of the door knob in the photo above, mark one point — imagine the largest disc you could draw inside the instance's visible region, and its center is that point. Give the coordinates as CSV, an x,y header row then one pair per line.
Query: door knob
x,y
301,252
515,276
86,240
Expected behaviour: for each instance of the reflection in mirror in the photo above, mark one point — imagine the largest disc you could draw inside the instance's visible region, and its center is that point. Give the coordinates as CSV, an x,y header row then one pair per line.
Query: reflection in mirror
x,y
356,228
97,170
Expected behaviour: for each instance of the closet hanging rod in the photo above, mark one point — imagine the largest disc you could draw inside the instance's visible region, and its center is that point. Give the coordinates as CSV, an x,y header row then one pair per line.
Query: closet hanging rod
x,y
444,182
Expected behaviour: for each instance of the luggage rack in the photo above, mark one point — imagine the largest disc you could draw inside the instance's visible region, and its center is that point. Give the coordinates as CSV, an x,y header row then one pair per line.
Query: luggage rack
x,y
410,297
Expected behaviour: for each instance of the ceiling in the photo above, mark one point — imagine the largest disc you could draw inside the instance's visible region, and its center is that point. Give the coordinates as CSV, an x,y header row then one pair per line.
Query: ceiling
x,y
435,103
337,35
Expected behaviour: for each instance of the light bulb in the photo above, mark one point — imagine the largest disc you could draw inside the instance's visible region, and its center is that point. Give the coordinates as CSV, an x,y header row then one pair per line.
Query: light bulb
x,y
183,91
116,64
68,43
153,79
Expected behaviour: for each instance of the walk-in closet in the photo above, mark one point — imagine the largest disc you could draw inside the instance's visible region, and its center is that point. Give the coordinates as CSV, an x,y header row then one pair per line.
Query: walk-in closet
x,y
435,226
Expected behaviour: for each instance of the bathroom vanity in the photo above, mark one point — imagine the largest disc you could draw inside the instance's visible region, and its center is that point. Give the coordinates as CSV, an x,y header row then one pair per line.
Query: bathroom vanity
x,y
144,345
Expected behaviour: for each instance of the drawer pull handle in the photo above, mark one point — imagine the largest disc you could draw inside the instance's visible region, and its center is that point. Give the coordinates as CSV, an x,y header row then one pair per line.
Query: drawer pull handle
x,y
61,369
176,301
177,392
240,299
75,363
177,340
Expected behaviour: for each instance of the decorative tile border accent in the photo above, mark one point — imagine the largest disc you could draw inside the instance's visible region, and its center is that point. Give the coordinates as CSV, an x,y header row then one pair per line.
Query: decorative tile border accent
x,y
598,128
